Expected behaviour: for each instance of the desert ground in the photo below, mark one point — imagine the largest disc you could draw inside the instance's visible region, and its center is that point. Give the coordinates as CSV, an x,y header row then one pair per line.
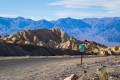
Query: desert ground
x,y
58,68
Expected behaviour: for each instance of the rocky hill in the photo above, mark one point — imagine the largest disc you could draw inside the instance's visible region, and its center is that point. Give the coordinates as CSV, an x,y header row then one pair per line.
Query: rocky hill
x,y
54,38
38,42
50,40
7,49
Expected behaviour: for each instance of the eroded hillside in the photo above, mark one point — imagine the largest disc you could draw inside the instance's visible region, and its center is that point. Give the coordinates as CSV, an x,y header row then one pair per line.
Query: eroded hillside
x,y
53,39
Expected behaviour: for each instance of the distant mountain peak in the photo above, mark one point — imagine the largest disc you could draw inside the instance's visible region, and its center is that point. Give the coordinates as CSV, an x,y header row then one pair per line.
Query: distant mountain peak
x,y
96,29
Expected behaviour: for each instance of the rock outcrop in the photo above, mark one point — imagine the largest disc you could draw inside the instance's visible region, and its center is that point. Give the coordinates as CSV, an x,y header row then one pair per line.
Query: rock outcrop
x,y
55,39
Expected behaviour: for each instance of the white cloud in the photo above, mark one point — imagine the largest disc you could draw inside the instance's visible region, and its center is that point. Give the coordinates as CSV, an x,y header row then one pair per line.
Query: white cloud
x,y
78,14
75,3
111,7
108,4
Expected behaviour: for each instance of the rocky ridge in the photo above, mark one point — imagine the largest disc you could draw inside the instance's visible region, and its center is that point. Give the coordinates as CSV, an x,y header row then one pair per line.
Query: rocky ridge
x,y
56,39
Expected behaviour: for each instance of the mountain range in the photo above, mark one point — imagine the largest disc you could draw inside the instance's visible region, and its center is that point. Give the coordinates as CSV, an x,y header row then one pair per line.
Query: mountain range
x,y
102,30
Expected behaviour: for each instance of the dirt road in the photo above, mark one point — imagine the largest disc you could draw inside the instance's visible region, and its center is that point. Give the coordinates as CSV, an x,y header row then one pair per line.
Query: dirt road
x,y
44,68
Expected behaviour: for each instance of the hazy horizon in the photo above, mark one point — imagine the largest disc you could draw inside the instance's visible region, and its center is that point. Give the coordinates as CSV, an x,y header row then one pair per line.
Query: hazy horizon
x,y
60,18
54,9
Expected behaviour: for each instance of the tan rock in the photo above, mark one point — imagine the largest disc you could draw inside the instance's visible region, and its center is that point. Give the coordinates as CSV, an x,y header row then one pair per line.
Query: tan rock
x,y
14,39
71,77
27,42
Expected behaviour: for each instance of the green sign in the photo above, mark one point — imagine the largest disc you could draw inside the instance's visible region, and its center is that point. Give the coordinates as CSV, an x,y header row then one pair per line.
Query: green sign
x,y
82,47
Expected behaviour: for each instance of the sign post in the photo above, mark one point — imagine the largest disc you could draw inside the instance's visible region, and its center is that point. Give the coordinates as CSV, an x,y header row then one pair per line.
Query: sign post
x,y
82,50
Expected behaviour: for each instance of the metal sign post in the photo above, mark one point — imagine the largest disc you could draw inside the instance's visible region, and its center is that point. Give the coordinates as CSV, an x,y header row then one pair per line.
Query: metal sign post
x,y
82,50
81,59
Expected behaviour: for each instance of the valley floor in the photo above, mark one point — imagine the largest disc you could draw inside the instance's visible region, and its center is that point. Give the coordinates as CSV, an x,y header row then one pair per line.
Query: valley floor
x,y
57,68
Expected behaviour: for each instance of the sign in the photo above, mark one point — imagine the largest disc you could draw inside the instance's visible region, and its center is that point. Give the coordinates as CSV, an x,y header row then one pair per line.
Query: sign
x,y
82,47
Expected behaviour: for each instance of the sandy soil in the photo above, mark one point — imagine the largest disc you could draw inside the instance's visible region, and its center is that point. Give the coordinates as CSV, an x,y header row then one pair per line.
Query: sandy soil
x,y
54,68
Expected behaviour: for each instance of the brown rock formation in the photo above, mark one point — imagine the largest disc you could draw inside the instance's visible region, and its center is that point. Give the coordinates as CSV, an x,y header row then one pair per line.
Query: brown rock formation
x,y
56,38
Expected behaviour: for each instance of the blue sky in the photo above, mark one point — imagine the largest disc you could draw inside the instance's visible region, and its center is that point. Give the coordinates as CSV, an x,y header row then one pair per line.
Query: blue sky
x,y
54,9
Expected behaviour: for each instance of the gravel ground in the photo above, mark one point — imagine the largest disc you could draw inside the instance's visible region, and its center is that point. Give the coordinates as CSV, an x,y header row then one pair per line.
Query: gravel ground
x,y
55,68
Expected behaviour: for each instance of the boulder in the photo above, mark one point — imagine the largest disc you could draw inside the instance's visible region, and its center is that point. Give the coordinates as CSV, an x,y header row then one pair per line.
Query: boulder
x,y
71,77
